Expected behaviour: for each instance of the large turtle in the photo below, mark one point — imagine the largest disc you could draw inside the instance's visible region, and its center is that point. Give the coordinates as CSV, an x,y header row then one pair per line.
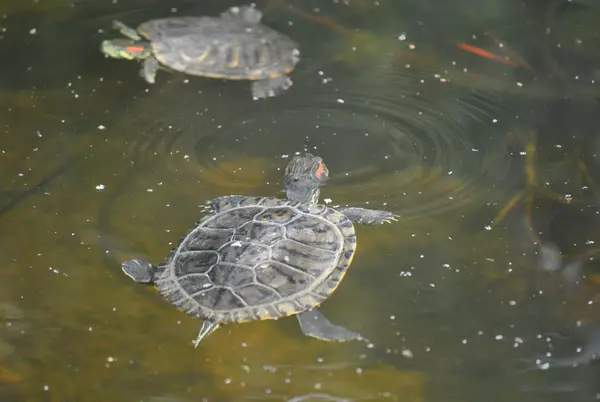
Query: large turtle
x,y
234,46
258,258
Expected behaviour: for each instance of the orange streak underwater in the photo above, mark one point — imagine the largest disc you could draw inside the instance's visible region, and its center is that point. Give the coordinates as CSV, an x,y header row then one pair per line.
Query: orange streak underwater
x,y
485,54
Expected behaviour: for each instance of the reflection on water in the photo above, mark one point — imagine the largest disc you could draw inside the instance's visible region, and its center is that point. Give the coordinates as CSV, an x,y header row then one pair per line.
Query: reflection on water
x,y
99,167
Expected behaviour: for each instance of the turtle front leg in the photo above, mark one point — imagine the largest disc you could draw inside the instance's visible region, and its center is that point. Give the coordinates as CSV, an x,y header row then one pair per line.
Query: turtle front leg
x,y
227,202
314,323
149,69
224,203
126,31
368,216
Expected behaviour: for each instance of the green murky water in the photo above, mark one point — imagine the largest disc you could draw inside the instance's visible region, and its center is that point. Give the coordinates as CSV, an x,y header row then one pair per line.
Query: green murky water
x,y
99,167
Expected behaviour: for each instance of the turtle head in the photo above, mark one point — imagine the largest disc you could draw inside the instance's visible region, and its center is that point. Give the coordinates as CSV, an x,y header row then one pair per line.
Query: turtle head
x,y
303,177
129,49
139,270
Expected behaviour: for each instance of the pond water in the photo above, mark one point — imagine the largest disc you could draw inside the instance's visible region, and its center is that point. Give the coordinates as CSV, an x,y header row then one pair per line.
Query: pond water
x,y
474,121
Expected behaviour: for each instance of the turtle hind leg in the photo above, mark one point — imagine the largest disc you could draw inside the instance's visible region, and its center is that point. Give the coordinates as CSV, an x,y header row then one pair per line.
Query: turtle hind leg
x,y
126,31
270,87
314,323
368,216
149,69
207,328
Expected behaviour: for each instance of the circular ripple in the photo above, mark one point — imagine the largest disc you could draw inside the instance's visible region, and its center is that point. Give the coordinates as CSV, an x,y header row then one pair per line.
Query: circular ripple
x,y
420,145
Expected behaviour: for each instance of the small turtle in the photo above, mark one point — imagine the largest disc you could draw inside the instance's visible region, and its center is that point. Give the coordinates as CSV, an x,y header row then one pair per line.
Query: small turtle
x,y
233,46
258,258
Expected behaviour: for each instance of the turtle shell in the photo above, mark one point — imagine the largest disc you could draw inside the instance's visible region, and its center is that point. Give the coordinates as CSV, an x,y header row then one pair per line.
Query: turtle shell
x,y
257,259
218,47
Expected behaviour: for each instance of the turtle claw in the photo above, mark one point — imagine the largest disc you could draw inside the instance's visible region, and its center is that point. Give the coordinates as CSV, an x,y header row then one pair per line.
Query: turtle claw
x,y
391,218
125,30
207,207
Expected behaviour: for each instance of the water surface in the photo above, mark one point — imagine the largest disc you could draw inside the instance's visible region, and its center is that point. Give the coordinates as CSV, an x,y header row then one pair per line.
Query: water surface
x,y
99,167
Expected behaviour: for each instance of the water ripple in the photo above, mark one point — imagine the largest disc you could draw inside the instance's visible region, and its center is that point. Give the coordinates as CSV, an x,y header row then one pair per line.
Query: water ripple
x,y
424,156
403,136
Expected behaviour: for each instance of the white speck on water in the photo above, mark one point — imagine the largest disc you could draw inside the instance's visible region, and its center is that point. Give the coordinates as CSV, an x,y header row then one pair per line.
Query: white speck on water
x,y
227,381
270,369
150,190
327,200
340,101
236,244
100,187
33,31
55,271
46,387
402,36
499,337
101,127
494,121
407,353
286,258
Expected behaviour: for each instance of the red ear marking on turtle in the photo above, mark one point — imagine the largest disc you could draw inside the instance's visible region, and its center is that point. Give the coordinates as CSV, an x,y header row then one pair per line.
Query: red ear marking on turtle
x,y
134,49
321,172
